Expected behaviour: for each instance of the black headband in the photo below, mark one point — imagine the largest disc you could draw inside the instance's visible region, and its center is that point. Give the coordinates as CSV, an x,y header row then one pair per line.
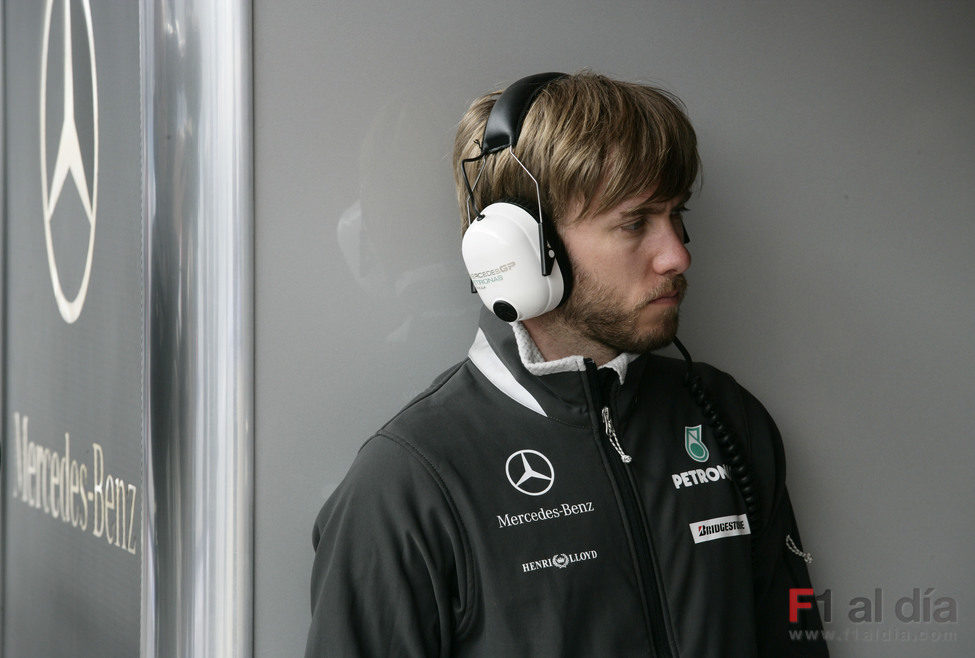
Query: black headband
x,y
504,123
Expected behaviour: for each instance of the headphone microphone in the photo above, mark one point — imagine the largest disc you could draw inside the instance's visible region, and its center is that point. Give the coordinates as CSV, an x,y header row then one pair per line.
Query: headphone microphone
x,y
513,255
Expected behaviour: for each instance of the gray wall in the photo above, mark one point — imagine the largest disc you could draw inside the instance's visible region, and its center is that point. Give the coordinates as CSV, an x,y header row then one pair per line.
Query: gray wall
x,y
832,256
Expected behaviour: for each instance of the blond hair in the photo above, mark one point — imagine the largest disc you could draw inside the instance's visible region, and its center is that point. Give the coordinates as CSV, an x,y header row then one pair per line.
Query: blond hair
x,y
587,139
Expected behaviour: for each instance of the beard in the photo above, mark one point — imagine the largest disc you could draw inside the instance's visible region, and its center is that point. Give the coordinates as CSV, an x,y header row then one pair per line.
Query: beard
x,y
599,313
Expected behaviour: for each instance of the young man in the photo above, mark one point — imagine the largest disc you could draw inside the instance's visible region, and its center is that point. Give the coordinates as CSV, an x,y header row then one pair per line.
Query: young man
x,y
563,491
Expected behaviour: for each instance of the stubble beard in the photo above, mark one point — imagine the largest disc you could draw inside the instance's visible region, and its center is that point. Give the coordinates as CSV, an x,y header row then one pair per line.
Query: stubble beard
x,y
597,313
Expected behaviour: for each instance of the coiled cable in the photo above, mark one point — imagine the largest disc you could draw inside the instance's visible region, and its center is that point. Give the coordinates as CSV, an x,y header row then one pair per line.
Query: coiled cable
x,y
738,465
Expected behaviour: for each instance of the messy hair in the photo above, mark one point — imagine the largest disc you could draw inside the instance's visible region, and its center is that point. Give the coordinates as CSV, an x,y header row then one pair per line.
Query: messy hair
x,y
588,140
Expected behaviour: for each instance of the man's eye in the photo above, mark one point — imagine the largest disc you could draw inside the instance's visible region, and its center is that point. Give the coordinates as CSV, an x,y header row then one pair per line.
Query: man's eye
x,y
677,216
634,226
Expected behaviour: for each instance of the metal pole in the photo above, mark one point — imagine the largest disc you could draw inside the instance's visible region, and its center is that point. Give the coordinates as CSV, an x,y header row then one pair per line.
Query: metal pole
x,y
197,585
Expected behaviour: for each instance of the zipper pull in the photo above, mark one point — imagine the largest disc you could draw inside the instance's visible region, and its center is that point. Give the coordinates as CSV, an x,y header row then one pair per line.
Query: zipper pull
x,y
611,435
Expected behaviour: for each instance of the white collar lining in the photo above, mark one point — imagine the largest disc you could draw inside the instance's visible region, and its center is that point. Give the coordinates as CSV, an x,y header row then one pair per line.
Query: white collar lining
x,y
535,363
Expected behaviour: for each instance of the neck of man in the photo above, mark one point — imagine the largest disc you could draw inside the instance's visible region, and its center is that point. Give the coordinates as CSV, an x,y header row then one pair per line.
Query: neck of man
x,y
557,339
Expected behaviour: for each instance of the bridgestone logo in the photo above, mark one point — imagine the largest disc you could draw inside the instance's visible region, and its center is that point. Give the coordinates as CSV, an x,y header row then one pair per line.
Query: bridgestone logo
x,y
723,526
559,561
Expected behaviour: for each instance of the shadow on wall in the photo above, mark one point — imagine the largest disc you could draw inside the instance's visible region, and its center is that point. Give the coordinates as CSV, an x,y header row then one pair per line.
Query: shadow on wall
x,y
393,238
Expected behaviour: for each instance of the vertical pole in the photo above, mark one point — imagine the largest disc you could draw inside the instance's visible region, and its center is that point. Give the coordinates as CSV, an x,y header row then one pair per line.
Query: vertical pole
x,y
197,591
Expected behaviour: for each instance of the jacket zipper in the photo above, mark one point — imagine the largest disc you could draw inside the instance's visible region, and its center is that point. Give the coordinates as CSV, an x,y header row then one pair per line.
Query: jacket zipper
x,y
611,435
635,521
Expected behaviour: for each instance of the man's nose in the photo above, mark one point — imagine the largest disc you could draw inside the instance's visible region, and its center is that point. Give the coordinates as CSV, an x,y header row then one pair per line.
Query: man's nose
x,y
671,256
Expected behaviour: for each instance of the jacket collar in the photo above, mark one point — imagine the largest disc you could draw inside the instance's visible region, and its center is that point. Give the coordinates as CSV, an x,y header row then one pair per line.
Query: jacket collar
x,y
508,357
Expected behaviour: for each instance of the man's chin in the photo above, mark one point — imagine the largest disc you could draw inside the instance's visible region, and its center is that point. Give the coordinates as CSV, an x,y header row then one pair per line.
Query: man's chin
x,y
653,343
654,338
658,337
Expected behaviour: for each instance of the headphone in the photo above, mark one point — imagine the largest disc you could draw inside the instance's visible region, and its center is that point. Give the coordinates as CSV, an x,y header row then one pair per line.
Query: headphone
x,y
515,260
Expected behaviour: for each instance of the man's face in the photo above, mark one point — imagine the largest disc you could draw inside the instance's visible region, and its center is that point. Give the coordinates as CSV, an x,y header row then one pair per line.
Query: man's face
x,y
628,266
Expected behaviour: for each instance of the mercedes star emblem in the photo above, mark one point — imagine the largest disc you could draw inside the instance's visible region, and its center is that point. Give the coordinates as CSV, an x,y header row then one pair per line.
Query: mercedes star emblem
x,y
69,161
530,472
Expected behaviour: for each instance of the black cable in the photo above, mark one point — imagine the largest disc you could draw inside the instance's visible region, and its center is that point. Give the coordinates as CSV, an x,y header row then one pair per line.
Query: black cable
x,y
738,465
467,182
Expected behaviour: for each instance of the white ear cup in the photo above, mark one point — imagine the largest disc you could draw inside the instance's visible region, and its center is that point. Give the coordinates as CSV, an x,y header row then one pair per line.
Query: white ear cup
x,y
501,253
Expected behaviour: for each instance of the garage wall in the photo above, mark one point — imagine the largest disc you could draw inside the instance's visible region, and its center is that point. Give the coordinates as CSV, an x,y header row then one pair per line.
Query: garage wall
x,y
832,259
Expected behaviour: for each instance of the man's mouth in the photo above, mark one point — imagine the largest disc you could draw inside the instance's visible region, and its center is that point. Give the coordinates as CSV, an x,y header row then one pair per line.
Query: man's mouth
x,y
669,298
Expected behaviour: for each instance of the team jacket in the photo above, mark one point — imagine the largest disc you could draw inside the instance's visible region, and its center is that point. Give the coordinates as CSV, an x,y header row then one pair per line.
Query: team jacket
x,y
495,516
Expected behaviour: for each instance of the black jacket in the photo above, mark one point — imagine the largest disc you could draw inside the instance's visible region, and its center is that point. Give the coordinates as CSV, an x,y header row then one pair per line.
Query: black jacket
x,y
494,516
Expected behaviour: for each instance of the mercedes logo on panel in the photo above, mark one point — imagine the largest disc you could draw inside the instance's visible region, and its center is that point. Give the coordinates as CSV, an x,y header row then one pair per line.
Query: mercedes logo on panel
x,y
71,161
530,472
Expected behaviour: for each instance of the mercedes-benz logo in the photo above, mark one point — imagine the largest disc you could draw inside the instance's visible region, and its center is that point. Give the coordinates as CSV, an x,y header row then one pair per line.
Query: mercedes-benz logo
x,y
530,472
69,161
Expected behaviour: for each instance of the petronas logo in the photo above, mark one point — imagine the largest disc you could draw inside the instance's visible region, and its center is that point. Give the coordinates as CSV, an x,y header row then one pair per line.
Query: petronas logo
x,y
695,447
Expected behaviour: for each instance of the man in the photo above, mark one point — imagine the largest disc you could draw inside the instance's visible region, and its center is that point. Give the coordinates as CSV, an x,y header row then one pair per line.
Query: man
x,y
563,491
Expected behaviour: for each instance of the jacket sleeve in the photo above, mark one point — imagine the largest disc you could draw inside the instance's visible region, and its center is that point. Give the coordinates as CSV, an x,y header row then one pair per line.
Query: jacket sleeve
x,y
389,559
777,568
